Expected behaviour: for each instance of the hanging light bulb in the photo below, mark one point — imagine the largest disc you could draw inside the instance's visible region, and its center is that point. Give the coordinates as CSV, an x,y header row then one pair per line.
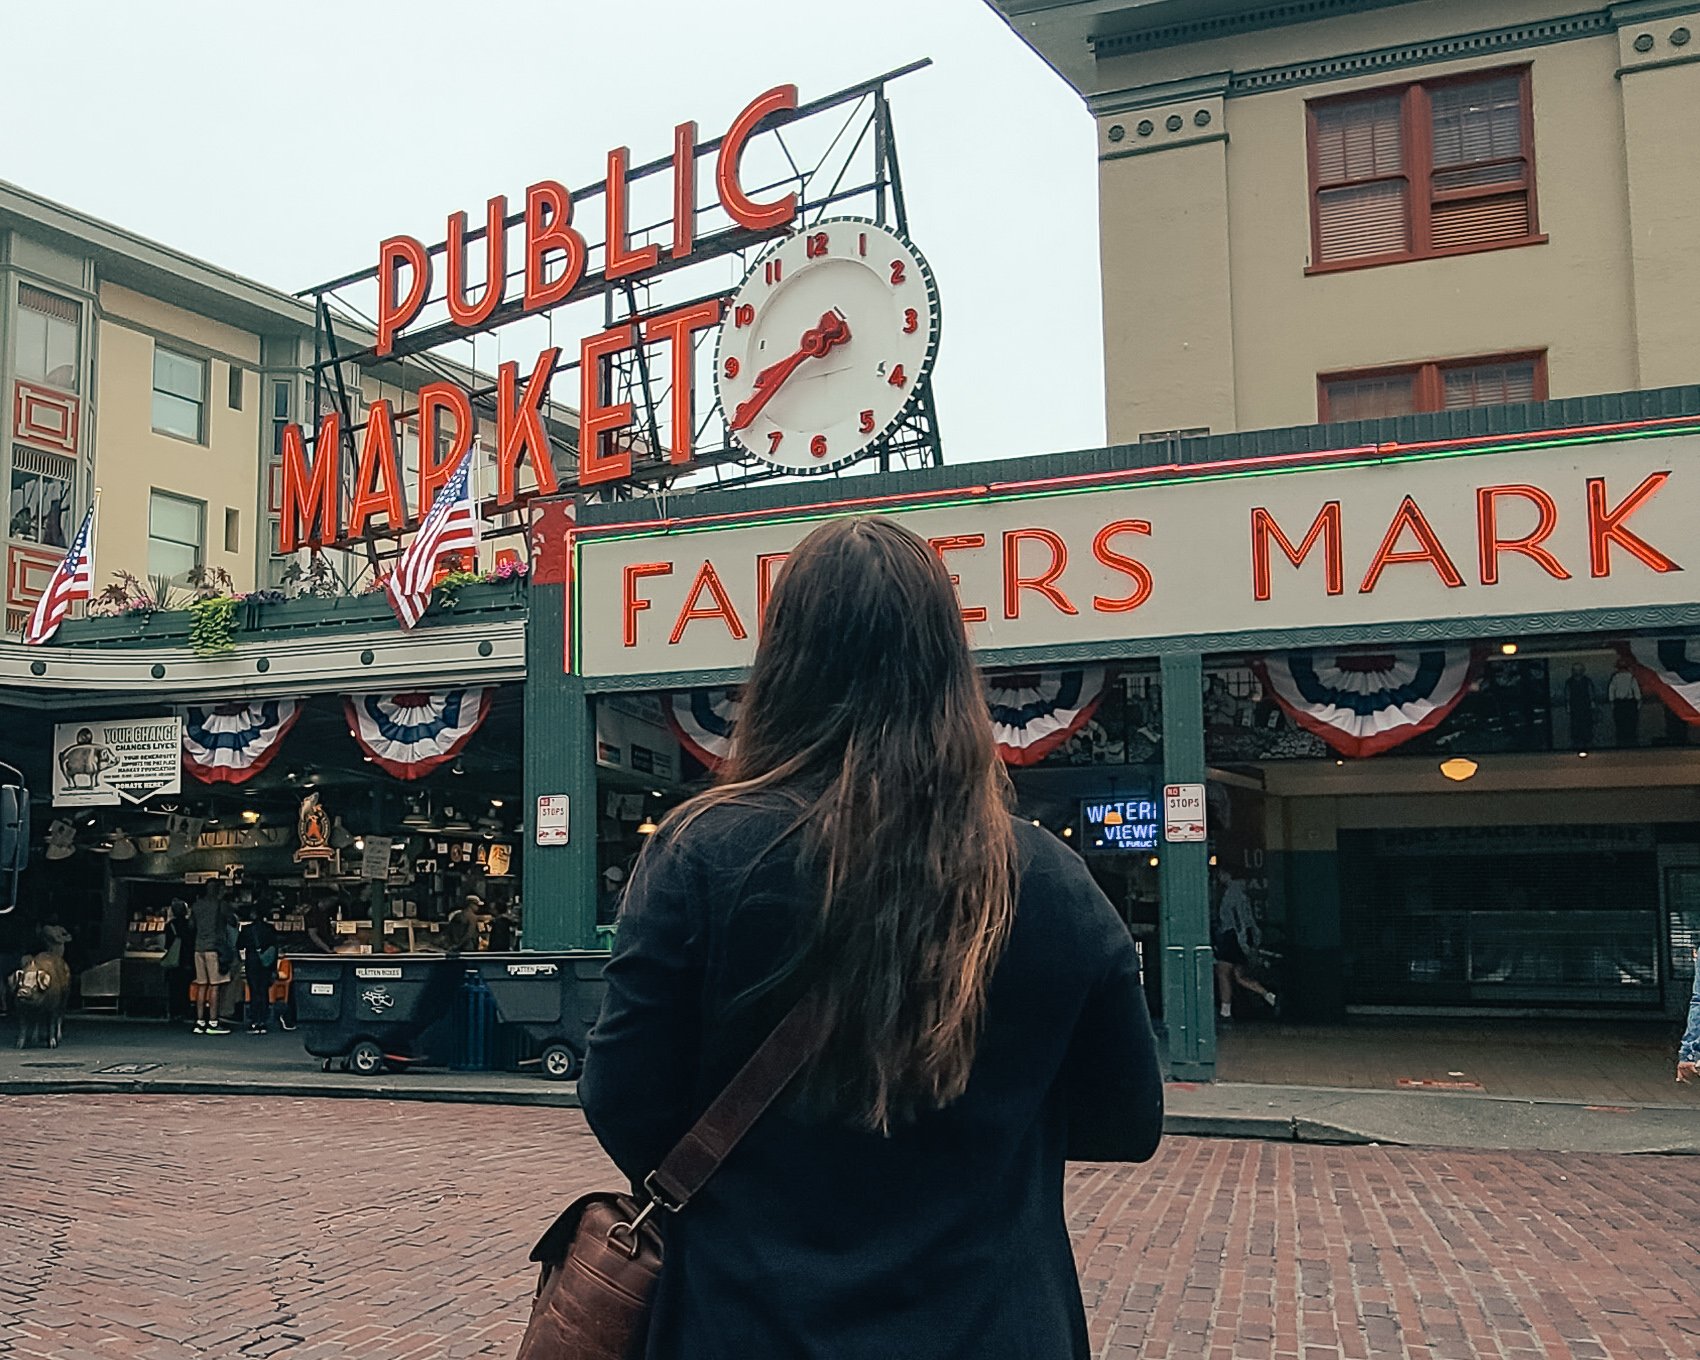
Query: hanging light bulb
x,y
1459,768
647,826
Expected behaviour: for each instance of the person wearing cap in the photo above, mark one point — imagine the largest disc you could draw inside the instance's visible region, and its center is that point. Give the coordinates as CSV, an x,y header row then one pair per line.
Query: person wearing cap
x,y
613,883
461,935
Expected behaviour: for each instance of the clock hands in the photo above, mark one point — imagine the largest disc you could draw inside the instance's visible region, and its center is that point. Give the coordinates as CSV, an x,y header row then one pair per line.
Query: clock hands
x,y
832,331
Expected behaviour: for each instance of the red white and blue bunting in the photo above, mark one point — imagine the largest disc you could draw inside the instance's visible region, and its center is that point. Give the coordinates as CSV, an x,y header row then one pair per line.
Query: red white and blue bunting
x,y
703,720
412,733
1034,712
1363,703
231,743
1671,668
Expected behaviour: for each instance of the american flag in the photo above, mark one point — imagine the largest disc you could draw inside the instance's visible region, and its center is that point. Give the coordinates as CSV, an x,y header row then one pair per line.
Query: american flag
x,y
451,526
72,580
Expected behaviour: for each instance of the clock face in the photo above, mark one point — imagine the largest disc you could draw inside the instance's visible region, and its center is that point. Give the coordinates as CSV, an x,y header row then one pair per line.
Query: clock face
x,y
825,344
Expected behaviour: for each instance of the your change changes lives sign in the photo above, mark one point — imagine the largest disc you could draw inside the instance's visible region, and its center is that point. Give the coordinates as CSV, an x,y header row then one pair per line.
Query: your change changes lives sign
x,y
125,759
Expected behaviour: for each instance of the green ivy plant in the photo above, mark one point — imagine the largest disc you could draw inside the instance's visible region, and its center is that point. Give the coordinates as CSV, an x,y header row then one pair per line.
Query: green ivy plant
x,y
449,588
214,628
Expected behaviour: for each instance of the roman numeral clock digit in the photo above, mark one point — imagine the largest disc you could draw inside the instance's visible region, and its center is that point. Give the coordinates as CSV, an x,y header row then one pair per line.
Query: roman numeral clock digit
x,y
825,344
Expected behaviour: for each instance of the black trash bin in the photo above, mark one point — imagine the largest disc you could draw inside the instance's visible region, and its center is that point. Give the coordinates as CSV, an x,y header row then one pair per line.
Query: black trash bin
x,y
546,1001
376,1010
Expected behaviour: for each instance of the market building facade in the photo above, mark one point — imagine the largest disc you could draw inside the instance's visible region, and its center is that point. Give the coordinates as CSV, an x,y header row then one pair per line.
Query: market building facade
x,y
1437,676
262,675
1362,208
1411,693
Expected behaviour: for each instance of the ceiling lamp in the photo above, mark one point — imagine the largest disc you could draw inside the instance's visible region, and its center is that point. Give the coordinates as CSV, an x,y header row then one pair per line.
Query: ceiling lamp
x,y
1508,649
1459,768
647,826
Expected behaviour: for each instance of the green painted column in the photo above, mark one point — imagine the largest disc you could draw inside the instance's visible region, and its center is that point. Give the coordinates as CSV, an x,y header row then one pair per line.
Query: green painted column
x,y
1189,977
559,881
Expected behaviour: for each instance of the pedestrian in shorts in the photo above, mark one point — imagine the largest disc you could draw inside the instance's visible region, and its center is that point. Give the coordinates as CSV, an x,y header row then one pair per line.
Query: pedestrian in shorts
x,y
214,920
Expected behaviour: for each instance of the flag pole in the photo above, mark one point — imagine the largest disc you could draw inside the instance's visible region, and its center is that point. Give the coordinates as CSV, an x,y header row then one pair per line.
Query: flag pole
x,y
94,530
476,486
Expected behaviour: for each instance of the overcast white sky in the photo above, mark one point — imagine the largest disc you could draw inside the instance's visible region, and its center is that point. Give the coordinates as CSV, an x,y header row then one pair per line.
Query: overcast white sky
x,y
284,140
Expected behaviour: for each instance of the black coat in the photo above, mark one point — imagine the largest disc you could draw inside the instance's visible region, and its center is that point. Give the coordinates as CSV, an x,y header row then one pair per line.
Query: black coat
x,y
945,1241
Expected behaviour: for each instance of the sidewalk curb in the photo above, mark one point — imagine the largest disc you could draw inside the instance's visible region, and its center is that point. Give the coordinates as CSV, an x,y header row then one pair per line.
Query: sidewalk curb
x,y
1272,1127
354,1089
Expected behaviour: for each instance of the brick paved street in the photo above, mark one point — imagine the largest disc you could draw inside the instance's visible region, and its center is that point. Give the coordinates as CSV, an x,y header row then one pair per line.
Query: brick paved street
x,y
154,1228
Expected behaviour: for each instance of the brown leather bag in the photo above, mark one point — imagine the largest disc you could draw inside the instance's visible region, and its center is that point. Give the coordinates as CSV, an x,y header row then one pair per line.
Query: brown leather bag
x,y
601,1258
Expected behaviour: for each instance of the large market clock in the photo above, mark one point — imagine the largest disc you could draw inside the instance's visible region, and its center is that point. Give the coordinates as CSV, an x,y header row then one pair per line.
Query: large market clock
x,y
825,344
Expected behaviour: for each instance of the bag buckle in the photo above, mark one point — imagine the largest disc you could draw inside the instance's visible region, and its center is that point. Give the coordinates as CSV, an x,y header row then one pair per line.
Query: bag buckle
x,y
626,1234
657,1196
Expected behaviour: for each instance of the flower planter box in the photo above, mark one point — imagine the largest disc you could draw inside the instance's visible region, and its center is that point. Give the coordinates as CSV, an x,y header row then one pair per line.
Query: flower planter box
x,y
255,618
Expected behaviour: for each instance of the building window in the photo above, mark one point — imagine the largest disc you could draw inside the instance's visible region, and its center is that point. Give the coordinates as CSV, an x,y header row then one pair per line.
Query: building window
x,y
47,338
179,394
280,414
1438,168
176,534
1450,385
40,508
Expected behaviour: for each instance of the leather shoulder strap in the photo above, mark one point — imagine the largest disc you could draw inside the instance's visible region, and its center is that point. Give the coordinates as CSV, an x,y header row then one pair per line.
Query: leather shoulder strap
x,y
759,1082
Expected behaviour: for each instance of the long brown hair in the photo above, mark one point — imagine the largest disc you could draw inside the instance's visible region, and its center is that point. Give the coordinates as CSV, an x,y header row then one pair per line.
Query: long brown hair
x,y
864,703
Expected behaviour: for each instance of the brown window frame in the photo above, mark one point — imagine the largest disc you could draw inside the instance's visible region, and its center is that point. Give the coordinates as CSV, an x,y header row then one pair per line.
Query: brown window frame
x,y
1429,387
1417,137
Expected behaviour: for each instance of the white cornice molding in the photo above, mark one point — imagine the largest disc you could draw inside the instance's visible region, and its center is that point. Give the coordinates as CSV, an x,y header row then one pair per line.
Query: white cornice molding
x,y
311,663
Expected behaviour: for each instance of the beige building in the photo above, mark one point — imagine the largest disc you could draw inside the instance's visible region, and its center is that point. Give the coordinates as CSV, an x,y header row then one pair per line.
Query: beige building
x,y
1362,208
166,382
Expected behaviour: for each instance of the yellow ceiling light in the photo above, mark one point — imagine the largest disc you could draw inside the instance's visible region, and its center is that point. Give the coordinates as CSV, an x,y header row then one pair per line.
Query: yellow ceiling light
x,y
646,827
1508,649
1459,768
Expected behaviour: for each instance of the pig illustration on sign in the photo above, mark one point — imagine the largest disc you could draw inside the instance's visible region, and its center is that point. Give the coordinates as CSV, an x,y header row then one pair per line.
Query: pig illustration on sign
x,y
83,761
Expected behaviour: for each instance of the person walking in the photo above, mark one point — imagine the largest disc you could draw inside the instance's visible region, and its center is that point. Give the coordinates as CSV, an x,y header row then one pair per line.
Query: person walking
x,y
1688,1055
974,997
178,962
1579,699
318,924
1623,693
213,920
462,932
501,928
257,943
1235,941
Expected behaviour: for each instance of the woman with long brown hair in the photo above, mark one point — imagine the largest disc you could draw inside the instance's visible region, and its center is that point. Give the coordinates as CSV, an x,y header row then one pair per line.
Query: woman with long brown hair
x,y
976,1000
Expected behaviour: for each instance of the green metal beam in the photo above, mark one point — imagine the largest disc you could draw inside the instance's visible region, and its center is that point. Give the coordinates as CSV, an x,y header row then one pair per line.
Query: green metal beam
x,y
1189,967
559,881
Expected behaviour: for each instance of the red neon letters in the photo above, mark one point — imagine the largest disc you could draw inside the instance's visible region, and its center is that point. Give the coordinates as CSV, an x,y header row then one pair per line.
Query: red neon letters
x,y
548,231
556,257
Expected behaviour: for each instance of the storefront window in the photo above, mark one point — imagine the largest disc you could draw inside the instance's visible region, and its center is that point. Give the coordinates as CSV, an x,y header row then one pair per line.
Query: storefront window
x,y
40,508
47,338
